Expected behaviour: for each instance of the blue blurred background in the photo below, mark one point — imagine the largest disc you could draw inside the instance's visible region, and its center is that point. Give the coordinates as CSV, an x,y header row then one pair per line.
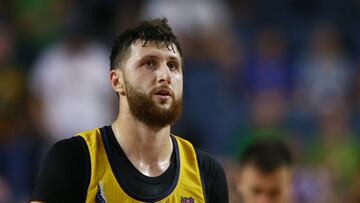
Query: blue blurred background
x,y
253,68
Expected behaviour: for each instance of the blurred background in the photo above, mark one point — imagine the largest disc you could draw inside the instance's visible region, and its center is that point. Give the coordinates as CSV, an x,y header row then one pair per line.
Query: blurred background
x,y
253,68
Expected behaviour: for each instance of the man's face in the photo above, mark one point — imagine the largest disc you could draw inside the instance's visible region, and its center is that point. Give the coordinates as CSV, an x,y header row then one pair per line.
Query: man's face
x,y
256,186
154,83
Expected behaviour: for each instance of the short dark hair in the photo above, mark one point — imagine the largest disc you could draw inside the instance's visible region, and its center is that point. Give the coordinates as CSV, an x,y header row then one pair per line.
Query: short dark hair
x,y
157,30
266,155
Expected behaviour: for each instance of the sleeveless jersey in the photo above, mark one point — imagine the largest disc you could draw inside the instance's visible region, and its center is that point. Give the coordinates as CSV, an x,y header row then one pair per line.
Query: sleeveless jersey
x,y
104,186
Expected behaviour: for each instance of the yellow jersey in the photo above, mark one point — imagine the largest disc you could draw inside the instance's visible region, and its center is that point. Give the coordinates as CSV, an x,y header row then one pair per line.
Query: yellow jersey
x,y
104,186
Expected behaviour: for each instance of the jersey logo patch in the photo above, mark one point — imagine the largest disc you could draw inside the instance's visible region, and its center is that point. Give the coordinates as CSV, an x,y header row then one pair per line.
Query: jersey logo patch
x,y
100,198
187,200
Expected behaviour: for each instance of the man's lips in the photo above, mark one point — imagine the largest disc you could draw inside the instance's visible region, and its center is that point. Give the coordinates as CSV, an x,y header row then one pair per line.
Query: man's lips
x,y
163,92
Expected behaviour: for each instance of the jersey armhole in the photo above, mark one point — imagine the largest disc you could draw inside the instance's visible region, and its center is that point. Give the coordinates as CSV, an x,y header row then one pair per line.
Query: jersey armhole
x,y
201,170
87,164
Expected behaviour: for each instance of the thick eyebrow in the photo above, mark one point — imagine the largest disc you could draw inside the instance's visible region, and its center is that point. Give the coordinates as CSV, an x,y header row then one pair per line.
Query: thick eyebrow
x,y
143,58
172,58
151,56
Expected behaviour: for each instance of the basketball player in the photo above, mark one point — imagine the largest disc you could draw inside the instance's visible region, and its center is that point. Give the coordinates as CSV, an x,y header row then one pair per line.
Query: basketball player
x,y
136,159
265,172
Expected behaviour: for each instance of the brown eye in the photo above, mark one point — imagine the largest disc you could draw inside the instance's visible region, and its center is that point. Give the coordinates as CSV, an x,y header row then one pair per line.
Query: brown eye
x,y
149,64
172,65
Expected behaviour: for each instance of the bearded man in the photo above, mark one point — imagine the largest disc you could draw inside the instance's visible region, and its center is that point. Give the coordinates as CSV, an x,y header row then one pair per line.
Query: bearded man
x,y
136,159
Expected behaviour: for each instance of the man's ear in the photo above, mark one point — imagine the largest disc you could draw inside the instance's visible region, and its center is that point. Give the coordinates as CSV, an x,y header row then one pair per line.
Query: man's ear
x,y
117,81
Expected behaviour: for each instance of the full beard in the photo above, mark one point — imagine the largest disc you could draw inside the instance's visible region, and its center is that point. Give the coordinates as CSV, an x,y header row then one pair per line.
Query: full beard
x,y
144,109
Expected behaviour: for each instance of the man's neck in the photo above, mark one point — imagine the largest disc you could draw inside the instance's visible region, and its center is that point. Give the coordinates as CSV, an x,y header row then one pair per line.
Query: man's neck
x,y
148,148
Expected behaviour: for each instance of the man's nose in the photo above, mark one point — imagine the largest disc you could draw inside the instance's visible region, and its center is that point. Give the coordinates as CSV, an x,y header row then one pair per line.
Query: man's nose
x,y
164,73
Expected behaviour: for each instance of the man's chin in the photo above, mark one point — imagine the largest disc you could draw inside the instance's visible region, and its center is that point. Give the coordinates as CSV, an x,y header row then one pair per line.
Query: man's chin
x,y
163,106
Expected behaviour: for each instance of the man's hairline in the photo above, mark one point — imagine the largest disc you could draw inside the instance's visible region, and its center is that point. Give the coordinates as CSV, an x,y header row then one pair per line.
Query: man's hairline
x,y
128,50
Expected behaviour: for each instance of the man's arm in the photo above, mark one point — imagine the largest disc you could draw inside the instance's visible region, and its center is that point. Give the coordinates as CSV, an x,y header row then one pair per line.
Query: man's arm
x,y
62,177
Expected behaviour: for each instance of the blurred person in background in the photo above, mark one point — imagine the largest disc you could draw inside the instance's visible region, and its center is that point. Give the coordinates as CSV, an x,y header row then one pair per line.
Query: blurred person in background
x,y
265,173
68,82
329,161
322,86
334,150
324,72
267,64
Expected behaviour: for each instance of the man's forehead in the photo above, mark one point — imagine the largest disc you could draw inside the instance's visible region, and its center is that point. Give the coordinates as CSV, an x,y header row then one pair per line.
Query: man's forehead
x,y
277,173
